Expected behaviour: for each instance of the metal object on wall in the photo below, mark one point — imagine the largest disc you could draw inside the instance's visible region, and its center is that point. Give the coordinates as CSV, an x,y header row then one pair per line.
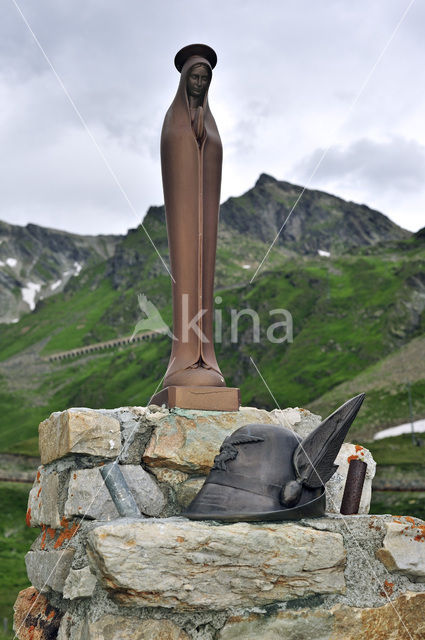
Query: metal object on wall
x,y
120,492
353,487
267,472
191,161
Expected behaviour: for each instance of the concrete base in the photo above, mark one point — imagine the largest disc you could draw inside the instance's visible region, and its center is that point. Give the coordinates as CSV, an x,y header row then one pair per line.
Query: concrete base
x,y
204,398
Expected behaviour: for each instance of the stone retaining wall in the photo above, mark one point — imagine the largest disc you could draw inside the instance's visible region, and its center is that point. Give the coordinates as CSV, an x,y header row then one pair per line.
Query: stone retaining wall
x,y
101,346
97,576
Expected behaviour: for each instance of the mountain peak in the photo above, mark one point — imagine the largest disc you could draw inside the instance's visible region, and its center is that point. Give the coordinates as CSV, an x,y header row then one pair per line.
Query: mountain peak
x,y
265,179
320,221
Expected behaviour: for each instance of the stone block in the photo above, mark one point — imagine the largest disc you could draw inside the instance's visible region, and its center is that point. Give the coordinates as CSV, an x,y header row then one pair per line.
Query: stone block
x,y
302,421
89,496
192,565
170,476
123,628
80,583
43,500
189,440
79,431
335,486
305,624
186,491
72,627
136,429
48,568
34,618
118,627
401,619
403,548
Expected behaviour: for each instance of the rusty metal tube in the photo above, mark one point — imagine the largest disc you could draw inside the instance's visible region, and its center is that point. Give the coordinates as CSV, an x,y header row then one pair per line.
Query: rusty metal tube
x,y
120,492
353,487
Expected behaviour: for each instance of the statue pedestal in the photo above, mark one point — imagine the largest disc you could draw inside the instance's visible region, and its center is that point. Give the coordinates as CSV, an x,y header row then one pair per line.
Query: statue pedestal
x,y
97,576
203,398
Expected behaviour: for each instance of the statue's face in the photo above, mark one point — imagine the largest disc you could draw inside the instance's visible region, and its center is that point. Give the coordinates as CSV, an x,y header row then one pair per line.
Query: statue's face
x,y
198,81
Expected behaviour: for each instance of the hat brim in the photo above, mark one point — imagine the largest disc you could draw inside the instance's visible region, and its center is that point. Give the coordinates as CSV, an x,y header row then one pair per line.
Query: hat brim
x,y
313,509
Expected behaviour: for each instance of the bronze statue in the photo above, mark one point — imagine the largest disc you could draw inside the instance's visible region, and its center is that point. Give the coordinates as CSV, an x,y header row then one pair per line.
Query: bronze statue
x,y
191,160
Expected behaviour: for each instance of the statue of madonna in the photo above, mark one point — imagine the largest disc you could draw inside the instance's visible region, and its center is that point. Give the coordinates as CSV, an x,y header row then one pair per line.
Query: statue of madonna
x,y
191,159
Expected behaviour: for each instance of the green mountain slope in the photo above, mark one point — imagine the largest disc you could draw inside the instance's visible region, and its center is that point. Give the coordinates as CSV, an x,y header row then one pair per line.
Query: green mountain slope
x,y
386,386
349,311
36,262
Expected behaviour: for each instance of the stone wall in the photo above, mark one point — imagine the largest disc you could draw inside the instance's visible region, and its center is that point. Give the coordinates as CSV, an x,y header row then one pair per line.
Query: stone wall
x,y
97,576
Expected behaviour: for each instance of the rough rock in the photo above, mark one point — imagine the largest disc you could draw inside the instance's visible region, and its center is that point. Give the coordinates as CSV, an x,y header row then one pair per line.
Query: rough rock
x,y
72,627
116,627
79,431
189,440
186,565
403,548
170,476
34,618
89,496
136,429
80,583
302,421
49,568
186,491
43,500
402,619
335,486
316,624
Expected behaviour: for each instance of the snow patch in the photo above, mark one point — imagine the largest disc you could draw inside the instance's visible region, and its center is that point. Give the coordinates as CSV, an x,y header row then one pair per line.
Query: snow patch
x,y
324,254
12,262
77,268
55,285
29,293
418,427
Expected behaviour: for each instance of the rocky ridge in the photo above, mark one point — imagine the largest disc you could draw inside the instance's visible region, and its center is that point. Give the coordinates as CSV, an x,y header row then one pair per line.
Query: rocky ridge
x,y
37,262
320,221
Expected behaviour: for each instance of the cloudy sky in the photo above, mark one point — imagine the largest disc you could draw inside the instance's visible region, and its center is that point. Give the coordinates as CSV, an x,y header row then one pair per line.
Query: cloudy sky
x,y
327,94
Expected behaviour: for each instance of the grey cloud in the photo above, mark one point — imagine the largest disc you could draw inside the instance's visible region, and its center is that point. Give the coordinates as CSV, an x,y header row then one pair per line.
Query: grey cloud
x,y
284,71
393,165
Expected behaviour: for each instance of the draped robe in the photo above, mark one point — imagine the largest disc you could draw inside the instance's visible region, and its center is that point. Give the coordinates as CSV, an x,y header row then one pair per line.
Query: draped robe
x,y
191,175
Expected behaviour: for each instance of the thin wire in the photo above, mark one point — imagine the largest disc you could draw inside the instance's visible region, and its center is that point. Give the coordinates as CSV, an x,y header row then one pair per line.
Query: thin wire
x,y
325,152
90,134
342,516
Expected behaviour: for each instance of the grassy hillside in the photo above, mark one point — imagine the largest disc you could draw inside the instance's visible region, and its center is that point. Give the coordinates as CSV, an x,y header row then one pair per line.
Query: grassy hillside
x,y
350,311
385,384
399,463
348,314
15,540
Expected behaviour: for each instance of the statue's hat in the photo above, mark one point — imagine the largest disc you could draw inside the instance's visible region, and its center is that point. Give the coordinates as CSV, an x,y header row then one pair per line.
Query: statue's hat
x,y
268,472
202,50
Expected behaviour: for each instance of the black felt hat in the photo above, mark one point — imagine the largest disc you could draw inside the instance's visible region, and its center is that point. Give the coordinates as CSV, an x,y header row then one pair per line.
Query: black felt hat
x,y
202,50
268,472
